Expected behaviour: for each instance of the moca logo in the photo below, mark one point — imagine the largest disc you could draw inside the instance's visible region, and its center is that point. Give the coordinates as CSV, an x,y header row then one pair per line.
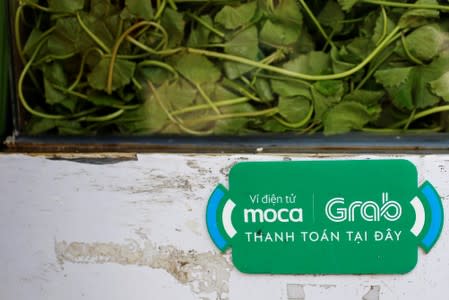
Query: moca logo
x,y
322,217
370,211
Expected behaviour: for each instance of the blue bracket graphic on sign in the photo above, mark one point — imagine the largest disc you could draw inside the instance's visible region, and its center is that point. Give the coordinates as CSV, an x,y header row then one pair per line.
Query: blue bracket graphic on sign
x,y
218,196
433,216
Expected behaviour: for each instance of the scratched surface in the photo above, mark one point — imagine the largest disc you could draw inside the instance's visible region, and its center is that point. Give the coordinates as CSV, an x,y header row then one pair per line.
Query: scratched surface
x,y
133,228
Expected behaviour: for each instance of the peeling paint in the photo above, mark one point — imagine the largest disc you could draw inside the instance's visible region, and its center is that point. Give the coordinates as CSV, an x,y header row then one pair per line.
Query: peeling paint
x,y
207,274
373,293
93,158
295,292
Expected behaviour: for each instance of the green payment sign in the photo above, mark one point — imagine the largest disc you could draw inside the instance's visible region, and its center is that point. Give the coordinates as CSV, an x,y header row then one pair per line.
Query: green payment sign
x,y
325,217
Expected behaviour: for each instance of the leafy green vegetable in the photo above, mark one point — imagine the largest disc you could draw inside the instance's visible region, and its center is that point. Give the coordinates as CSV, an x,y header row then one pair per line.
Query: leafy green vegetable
x,y
122,74
348,116
231,17
232,67
65,5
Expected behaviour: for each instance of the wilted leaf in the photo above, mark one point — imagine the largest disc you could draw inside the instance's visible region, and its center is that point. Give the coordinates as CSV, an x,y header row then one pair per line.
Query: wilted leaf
x,y
66,5
312,63
197,68
279,34
232,17
440,87
122,75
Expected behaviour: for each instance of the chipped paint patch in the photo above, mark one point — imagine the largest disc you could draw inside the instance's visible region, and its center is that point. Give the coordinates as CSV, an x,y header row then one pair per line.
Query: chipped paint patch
x,y
207,274
295,292
373,293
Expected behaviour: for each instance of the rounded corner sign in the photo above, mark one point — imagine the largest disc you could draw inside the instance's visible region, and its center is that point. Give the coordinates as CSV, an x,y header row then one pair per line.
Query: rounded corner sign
x,y
325,217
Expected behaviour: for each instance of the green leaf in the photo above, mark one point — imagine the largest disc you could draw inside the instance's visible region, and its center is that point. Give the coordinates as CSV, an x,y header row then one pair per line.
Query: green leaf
x,y
428,73
326,94
273,126
294,109
155,75
330,87
216,92
66,5
244,44
347,4
418,17
339,65
54,96
200,35
54,74
139,9
279,34
33,40
426,42
174,24
151,117
287,11
232,17
233,126
380,32
399,84
409,87
102,99
332,16
312,63
102,8
68,38
290,88
356,50
197,68
263,89
367,98
440,87
39,126
100,29
122,75
347,116
393,77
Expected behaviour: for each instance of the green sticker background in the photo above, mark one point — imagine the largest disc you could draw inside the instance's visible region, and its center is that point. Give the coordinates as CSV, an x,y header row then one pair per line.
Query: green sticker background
x,y
314,183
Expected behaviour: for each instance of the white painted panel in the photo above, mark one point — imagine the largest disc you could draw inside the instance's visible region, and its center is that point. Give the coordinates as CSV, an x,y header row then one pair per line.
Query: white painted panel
x,y
136,230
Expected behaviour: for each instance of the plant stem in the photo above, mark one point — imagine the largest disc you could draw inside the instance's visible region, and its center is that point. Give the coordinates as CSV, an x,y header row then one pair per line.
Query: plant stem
x,y
285,72
102,119
207,98
259,113
384,24
159,64
408,53
299,124
96,39
399,131
422,114
81,71
316,22
206,25
207,106
171,117
408,5
20,94
117,47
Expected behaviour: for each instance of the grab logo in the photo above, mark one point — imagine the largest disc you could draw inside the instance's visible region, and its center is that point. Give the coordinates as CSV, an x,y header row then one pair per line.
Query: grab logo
x,y
338,211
